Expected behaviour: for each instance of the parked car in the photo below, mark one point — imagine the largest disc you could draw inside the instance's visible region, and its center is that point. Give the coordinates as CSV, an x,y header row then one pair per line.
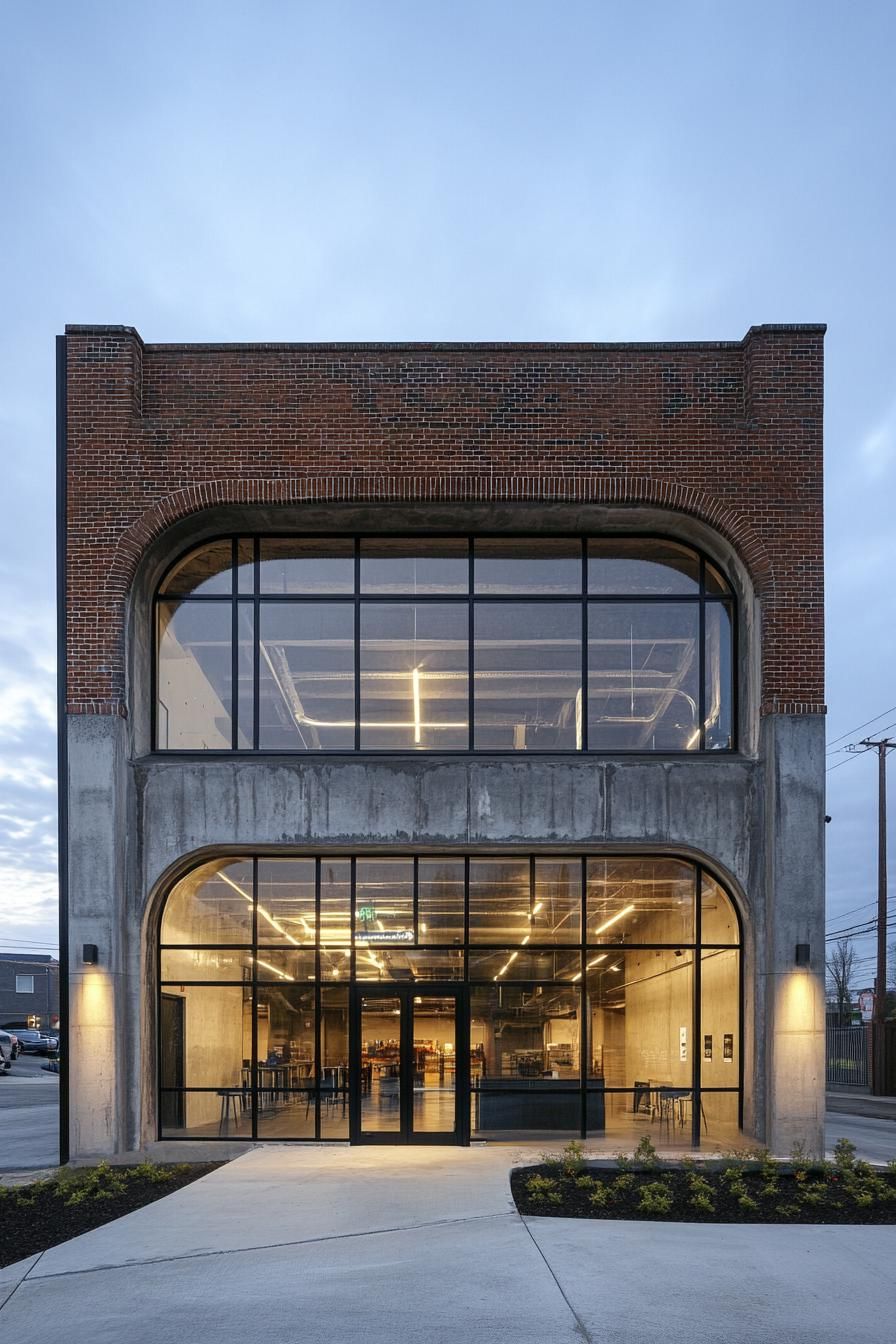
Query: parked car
x,y
35,1042
5,1052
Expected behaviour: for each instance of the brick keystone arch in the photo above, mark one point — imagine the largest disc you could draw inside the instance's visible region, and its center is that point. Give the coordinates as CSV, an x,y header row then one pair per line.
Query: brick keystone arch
x,y
628,490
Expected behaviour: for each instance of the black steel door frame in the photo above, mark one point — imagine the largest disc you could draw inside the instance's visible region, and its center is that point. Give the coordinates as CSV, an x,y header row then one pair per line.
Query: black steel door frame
x,y
406,993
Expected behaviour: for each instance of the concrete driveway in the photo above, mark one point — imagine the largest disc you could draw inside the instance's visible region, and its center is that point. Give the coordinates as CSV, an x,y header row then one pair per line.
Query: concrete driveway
x,y
313,1244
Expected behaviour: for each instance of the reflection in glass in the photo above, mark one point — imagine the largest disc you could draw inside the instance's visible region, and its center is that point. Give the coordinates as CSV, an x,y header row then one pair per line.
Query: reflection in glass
x,y
182,964
283,967
434,1034
720,1017
525,963
381,1064
245,565
440,901
640,901
195,676
286,901
528,676
414,678
543,565
618,566
500,901
718,919
211,904
641,1017
719,678
207,570
399,963
245,739
557,909
334,1062
411,565
307,678
384,900
307,565
335,901
643,676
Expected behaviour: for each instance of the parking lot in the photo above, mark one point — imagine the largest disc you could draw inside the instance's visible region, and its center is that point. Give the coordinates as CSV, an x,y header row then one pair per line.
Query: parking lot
x,y
29,1116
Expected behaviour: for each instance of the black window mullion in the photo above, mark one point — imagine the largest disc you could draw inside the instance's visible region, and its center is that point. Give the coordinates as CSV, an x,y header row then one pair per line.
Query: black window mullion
x,y
471,635
234,650
357,665
256,643
701,643
253,1057
466,918
583,745
416,900
318,999
696,1065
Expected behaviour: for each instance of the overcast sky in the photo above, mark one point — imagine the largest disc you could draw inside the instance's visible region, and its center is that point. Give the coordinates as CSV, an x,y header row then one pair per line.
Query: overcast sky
x,y
493,170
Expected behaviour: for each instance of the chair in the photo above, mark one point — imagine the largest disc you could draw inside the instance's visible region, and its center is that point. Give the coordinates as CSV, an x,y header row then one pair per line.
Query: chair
x,y
232,1103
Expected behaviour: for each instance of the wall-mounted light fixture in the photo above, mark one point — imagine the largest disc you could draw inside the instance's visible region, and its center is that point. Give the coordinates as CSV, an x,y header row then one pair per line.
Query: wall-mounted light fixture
x,y
801,955
90,954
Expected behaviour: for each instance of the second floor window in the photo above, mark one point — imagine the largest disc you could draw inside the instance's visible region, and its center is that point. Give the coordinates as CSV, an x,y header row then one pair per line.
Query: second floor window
x,y
495,644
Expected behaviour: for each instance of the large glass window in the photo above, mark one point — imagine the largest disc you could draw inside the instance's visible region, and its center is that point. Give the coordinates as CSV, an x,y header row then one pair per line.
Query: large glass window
x,y
452,644
603,991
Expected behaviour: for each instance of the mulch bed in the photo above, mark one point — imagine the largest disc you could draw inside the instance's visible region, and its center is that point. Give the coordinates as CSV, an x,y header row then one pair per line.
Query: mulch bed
x,y
814,1195
35,1217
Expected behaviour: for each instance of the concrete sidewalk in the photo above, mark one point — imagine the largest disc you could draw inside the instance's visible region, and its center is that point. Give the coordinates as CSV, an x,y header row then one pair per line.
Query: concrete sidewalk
x,y
326,1243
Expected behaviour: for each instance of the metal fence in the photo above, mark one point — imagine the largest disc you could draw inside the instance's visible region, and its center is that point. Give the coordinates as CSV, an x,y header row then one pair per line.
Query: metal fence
x,y
847,1057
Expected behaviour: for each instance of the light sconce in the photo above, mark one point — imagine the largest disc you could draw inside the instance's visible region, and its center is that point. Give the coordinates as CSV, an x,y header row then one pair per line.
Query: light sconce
x,y
801,955
90,954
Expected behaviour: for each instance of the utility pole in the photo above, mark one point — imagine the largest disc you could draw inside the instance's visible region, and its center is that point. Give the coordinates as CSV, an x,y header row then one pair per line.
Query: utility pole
x,y
882,747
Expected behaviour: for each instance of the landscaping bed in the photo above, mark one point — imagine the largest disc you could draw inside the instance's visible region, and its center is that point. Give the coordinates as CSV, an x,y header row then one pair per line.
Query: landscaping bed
x,y
756,1189
35,1217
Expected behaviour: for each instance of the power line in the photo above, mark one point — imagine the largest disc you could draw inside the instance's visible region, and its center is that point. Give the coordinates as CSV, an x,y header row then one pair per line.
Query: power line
x,y
861,726
853,748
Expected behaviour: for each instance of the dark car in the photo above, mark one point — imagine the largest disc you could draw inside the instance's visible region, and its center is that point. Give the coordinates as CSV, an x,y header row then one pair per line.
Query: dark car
x,y
35,1042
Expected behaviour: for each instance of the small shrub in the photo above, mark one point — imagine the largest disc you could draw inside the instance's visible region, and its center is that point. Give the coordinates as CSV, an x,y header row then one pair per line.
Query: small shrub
x,y
623,1161
655,1197
585,1182
573,1158
645,1153
844,1155
622,1183
600,1196
748,1204
543,1190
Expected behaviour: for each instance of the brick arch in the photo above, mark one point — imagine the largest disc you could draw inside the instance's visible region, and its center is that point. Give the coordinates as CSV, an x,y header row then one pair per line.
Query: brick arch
x,y
627,490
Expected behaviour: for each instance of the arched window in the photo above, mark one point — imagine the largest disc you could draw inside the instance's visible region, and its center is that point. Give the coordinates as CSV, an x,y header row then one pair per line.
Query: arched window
x,y
594,994
495,644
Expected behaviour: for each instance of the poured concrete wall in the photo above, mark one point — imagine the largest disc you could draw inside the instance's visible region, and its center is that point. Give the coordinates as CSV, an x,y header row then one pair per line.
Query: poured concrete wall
x,y
136,826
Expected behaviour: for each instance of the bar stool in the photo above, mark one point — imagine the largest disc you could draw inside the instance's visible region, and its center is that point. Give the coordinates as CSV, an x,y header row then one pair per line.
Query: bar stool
x,y
231,1104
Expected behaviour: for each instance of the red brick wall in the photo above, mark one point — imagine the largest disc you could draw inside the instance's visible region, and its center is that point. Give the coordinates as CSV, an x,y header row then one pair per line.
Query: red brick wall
x,y
730,432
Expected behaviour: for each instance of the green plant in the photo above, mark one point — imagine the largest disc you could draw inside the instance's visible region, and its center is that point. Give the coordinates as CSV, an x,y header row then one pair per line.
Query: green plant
x,y
623,1161
645,1153
600,1196
543,1190
844,1155
573,1158
655,1197
748,1204
622,1183
585,1182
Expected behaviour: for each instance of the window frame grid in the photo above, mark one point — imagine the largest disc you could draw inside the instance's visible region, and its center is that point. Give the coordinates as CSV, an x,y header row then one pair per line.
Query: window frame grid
x,y
700,599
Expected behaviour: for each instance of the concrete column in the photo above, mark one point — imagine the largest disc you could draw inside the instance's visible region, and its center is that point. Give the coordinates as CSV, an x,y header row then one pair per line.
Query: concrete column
x,y
97,883
793,750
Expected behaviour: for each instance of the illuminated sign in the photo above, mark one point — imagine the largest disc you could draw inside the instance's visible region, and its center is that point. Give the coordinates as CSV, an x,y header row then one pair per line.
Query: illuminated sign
x,y
398,936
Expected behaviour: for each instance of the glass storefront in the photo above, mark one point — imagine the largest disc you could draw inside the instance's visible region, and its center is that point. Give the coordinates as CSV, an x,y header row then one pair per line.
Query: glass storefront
x,y
447,998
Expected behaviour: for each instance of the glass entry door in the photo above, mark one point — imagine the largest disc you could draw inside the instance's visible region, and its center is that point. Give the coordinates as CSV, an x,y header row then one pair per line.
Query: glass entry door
x,y
405,1064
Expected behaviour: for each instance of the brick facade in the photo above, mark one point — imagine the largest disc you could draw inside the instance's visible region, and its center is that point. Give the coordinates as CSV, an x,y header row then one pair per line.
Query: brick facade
x,y
729,432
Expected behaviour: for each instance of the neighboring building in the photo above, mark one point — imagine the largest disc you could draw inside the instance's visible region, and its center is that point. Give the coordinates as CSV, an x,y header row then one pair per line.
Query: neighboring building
x,y
29,990
443,740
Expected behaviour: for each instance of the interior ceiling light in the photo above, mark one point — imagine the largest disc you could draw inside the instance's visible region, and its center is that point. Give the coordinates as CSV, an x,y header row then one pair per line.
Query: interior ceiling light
x,y
620,914
603,956
261,910
282,974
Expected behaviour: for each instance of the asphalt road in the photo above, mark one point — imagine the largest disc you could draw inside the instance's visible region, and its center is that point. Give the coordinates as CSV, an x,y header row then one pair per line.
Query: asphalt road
x,y
29,1116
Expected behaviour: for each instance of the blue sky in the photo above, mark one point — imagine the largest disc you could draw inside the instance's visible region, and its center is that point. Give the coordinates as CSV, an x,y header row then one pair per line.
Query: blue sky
x,y
408,171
